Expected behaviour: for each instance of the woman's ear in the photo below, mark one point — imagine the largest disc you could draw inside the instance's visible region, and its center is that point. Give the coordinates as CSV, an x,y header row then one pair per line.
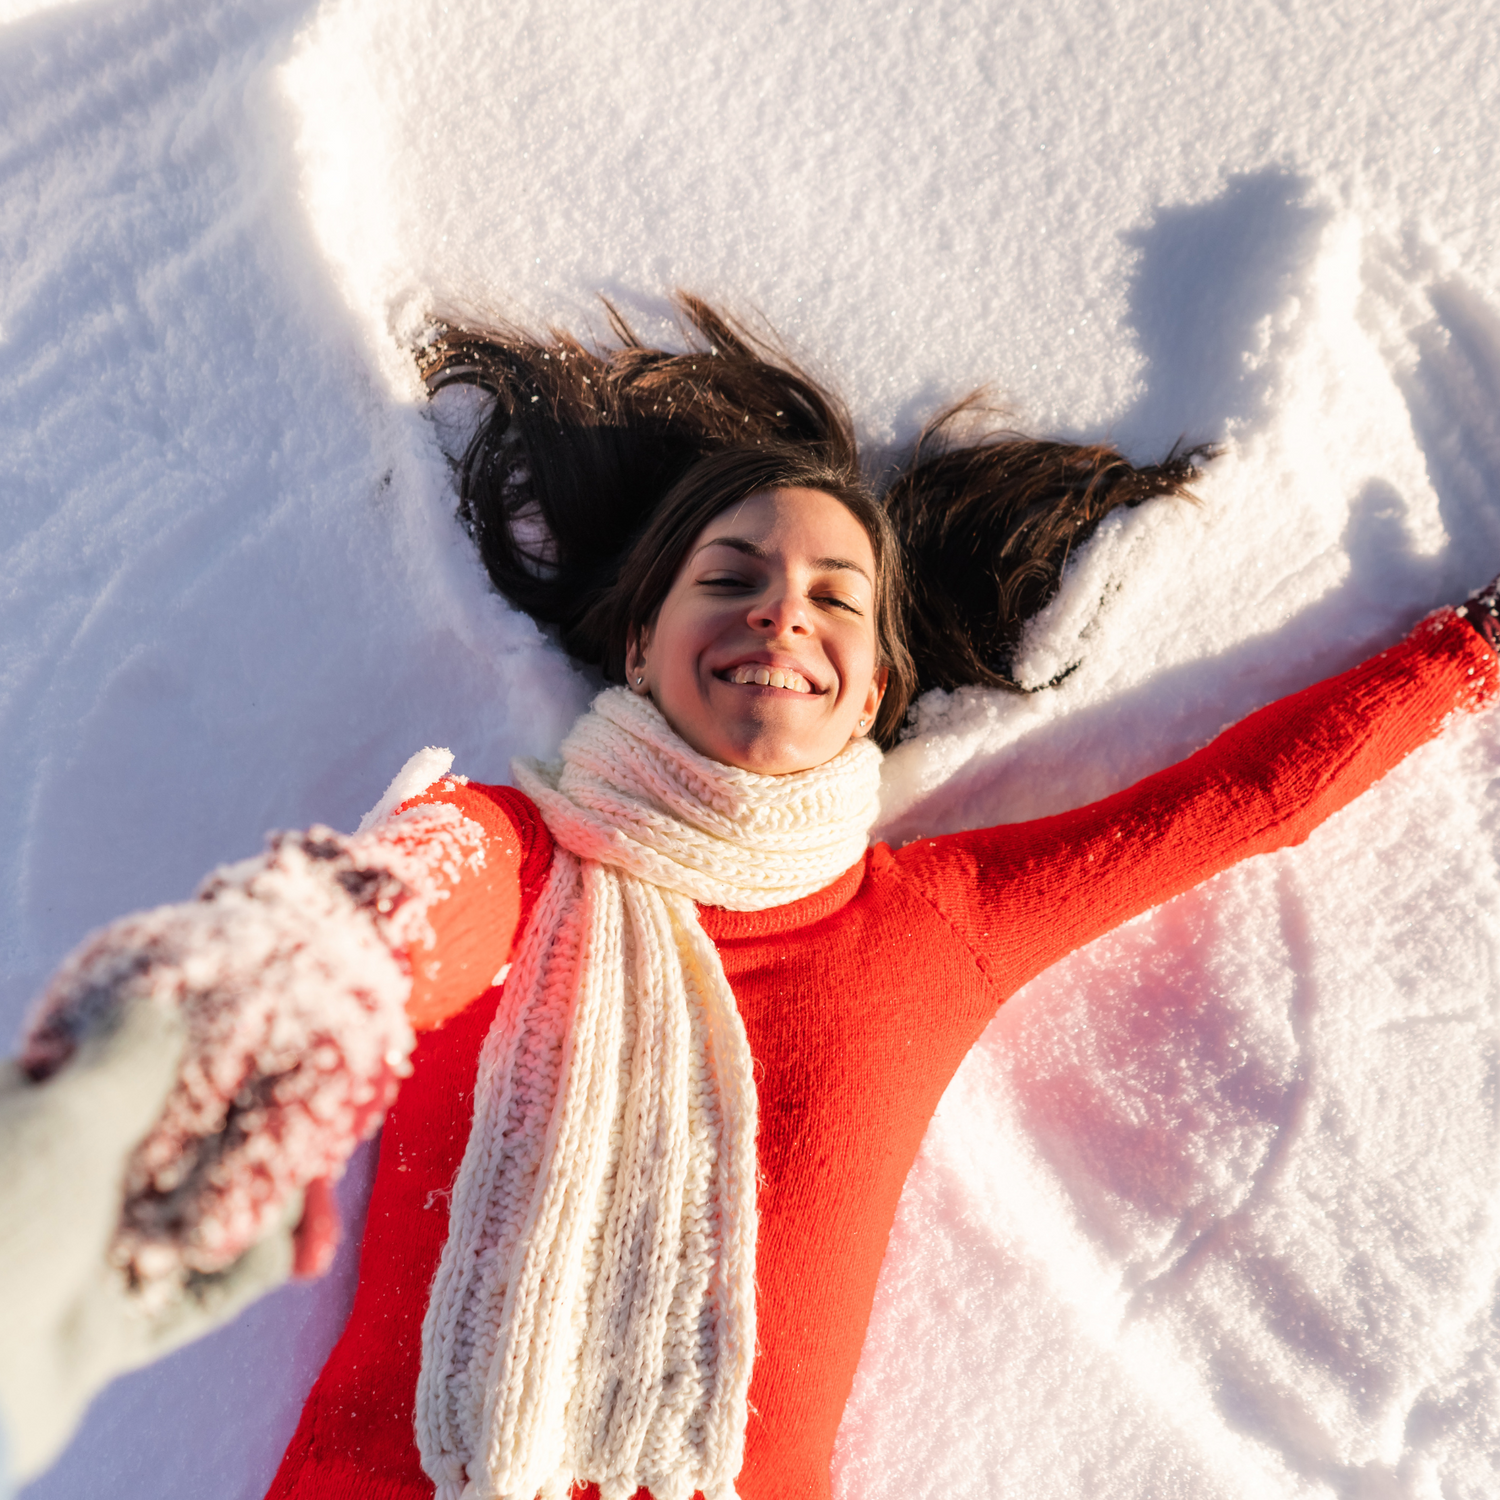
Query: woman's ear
x,y
872,700
635,660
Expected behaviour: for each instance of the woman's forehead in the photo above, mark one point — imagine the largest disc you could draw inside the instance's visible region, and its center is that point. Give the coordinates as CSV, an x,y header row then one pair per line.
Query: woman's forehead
x,y
815,526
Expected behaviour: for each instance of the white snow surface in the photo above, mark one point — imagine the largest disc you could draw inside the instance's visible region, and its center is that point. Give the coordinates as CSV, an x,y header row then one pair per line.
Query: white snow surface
x,y
1212,1209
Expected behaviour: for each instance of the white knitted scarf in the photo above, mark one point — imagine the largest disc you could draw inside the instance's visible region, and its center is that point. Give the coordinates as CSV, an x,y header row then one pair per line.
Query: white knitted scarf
x,y
593,1316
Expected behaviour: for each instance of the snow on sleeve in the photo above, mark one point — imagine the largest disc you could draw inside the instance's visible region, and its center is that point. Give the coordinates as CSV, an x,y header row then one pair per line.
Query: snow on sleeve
x,y
291,970
429,765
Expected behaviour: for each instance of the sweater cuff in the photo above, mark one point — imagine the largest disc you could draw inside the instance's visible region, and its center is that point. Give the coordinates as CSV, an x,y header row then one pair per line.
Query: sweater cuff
x,y
1449,635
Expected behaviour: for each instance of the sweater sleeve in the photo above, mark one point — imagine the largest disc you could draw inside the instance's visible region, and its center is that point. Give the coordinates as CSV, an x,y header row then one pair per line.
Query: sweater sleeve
x,y
472,925
1023,895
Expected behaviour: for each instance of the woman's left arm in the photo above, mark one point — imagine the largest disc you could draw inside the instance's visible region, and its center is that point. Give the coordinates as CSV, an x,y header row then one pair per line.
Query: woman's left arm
x,y
1023,895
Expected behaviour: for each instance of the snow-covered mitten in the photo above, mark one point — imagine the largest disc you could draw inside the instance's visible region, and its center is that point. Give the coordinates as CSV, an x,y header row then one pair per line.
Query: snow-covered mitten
x,y
68,1322
293,1002
289,972
1482,610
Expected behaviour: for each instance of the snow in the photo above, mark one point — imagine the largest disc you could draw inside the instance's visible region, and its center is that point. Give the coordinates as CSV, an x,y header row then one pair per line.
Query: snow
x,y
1212,1209
428,765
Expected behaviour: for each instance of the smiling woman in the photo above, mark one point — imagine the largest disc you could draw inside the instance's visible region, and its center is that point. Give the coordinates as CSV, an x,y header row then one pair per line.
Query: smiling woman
x,y
760,1011
765,559
682,1026
592,473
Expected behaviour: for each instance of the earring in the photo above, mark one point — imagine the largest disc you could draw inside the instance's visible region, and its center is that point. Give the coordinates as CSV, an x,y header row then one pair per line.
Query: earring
x,y
639,681
863,722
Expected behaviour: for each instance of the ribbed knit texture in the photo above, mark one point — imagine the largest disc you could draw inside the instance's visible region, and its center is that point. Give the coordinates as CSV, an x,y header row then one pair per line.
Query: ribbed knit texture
x,y
593,1315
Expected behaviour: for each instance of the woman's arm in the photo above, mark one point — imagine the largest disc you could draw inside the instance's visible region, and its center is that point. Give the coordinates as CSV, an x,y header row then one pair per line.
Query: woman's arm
x,y
471,929
300,976
1023,895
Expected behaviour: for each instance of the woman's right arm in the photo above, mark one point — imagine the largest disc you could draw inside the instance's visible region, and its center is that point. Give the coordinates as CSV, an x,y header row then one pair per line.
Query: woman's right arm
x,y
301,976
474,924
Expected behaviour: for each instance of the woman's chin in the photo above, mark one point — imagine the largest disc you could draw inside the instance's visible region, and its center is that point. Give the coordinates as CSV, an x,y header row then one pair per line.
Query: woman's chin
x,y
770,751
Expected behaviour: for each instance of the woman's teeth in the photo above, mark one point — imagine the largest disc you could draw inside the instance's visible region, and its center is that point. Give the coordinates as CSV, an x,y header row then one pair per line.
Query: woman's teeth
x,y
770,677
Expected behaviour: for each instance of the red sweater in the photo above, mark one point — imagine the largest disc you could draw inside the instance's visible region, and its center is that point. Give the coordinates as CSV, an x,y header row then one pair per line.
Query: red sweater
x,y
859,1002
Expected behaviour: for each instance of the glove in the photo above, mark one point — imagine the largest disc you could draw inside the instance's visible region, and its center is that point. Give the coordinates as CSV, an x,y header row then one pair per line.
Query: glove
x,y
218,1061
68,1320
284,973
1482,610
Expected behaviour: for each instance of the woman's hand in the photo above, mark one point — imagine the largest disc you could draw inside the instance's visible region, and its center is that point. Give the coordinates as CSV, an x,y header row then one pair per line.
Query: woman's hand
x,y
68,1323
1482,610
289,983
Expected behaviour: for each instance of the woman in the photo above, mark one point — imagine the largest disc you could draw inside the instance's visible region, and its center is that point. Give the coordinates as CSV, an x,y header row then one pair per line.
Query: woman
x,y
682,1028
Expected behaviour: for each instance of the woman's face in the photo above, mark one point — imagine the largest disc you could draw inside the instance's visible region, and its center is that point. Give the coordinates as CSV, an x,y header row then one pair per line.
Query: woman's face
x,y
763,654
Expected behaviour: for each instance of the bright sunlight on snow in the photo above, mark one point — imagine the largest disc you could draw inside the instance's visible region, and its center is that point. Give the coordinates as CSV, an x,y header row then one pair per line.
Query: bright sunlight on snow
x,y
1214,1210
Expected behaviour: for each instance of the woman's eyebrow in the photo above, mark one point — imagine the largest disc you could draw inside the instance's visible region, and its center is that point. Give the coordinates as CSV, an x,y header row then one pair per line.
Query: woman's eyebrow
x,y
751,549
739,543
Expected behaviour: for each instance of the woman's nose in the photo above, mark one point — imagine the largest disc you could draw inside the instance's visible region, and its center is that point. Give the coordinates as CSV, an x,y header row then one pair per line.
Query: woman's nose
x,y
780,614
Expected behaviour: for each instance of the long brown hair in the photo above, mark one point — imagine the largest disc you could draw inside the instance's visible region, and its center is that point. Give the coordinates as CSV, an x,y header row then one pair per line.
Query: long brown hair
x,y
988,525
592,471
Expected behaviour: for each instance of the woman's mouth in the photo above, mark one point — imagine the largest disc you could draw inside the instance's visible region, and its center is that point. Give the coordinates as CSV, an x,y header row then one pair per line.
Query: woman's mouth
x,y
750,675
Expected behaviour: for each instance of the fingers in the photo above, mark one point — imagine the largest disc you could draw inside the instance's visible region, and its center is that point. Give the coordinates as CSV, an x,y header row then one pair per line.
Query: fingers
x,y
64,1144
124,1071
105,1097
1482,610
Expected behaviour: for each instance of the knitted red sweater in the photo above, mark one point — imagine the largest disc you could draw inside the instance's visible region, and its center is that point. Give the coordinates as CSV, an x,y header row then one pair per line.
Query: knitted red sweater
x,y
859,1002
